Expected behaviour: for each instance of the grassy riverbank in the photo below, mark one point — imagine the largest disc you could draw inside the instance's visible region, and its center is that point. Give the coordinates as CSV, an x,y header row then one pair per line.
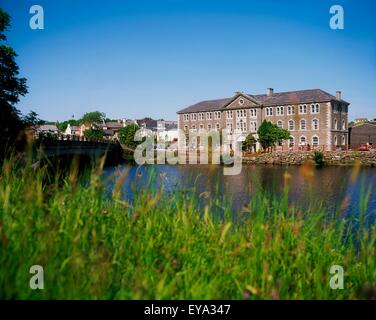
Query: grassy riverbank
x,y
94,246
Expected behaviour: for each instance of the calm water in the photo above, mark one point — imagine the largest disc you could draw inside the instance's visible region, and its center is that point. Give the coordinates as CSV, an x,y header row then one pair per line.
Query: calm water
x,y
329,185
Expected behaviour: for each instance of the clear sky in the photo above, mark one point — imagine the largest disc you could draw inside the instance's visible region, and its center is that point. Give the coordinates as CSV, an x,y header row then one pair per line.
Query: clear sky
x,y
136,58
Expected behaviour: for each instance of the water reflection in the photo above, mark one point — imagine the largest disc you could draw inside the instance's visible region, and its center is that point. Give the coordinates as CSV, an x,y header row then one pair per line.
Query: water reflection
x,y
331,186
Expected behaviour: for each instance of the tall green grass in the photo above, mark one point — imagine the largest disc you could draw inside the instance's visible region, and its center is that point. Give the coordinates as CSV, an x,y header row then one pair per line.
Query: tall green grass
x,y
170,246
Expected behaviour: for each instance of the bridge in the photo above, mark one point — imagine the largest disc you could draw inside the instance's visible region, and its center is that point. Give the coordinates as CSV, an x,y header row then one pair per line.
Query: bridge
x,y
88,150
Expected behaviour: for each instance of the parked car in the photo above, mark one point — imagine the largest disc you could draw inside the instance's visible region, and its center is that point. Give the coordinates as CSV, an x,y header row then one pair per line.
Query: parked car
x,y
365,147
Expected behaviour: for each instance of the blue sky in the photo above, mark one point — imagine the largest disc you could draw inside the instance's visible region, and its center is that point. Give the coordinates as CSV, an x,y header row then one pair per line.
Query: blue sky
x,y
154,57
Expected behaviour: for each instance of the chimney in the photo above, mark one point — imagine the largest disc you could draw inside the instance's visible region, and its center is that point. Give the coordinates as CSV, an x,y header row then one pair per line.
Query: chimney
x,y
269,91
338,95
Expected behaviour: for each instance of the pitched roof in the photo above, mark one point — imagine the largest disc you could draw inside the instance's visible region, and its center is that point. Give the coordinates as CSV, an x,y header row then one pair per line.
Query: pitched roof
x,y
278,98
48,127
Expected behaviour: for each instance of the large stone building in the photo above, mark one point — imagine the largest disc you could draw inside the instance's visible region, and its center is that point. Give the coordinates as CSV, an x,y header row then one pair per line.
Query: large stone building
x,y
363,132
315,118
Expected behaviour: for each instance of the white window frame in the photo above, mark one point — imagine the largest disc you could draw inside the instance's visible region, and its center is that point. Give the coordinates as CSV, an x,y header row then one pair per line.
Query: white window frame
x,y
300,141
293,125
302,109
280,122
305,124
229,114
208,115
318,141
313,124
290,110
253,126
253,113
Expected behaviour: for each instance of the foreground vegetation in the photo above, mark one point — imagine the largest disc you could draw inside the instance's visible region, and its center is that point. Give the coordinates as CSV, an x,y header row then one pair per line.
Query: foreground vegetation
x,y
96,245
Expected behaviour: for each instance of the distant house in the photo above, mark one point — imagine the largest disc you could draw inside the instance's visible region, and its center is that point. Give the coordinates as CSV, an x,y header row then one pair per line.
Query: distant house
x,y
167,130
46,129
148,123
362,133
72,130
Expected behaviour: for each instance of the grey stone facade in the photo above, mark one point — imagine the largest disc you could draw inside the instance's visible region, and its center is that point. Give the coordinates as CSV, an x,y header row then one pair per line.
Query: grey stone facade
x,y
314,118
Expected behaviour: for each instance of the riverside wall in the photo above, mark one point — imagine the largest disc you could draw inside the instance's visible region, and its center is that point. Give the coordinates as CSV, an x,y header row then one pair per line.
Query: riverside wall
x,y
340,158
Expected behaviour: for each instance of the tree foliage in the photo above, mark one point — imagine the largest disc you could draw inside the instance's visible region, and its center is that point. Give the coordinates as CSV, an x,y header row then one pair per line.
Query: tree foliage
x,y
11,89
249,142
270,134
62,126
93,133
93,117
126,136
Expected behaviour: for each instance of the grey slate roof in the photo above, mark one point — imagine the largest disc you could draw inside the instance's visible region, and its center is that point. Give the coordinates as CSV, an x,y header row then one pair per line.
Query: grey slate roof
x,y
277,98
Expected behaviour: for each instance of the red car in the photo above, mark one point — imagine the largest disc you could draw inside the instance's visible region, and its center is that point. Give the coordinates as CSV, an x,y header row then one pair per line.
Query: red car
x,y
364,147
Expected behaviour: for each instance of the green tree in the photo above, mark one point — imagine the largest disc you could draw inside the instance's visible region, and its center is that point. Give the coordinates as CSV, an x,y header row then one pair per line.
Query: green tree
x,y
270,134
126,136
249,142
62,126
32,119
94,134
11,88
93,117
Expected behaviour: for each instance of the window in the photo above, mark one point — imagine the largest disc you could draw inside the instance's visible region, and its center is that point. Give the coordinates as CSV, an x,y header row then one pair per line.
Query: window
x,y
253,113
335,140
303,109
280,124
253,126
315,108
241,101
208,115
279,111
209,127
185,128
291,142
291,125
343,140
303,125
229,127
269,111
315,141
303,140
194,128
290,110
217,126
315,124
217,115
241,126
201,127
194,116
186,117
241,113
201,116
335,124
343,124
229,114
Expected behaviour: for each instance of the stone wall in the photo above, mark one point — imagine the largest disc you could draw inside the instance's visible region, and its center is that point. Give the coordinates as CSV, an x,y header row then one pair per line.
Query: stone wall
x,y
365,158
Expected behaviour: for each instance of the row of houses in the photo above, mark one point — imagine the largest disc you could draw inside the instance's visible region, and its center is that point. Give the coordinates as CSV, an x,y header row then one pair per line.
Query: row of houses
x,y
166,130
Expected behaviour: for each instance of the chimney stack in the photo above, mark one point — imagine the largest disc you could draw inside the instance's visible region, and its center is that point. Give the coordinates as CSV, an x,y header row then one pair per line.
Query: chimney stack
x,y
338,95
269,91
